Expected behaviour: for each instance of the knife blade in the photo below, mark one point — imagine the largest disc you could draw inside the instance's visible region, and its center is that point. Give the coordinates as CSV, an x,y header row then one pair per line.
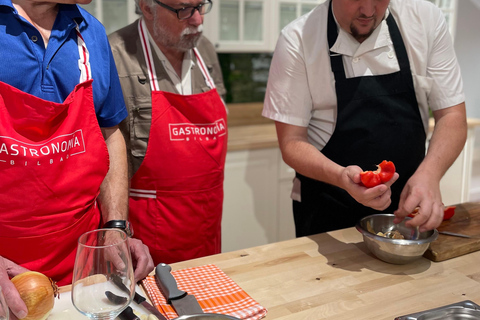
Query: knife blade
x,y
448,233
137,298
184,303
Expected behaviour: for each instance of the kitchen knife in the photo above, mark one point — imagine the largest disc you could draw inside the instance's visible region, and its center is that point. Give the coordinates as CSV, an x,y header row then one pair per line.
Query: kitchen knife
x,y
184,303
458,235
127,313
137,298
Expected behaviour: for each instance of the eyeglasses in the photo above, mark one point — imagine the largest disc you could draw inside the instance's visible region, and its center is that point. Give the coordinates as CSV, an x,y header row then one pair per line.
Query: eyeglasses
x,y
186,12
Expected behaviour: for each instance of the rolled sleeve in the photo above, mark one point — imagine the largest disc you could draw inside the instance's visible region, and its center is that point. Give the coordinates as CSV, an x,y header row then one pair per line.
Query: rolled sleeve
x,y
288,97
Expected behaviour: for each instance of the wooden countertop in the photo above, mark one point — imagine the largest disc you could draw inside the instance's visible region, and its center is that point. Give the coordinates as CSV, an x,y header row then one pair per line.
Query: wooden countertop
x,y
333,276
247,129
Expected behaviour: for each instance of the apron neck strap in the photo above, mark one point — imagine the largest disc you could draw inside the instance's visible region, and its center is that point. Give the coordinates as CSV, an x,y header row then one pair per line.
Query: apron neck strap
x,y
147,51
84,60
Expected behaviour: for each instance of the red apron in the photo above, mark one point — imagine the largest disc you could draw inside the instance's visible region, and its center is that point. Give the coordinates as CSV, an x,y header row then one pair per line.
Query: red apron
x,y
176,195
53,159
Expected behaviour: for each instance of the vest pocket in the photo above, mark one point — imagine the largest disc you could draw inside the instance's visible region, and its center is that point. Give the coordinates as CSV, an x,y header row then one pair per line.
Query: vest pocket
x,y
141,120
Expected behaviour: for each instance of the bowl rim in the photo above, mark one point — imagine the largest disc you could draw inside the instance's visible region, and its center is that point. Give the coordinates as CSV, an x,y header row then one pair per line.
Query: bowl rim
x,y
368,234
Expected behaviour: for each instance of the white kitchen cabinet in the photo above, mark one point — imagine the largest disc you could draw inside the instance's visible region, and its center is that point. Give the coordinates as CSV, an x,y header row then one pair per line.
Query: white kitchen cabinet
x,y
114,14
250,205
251,25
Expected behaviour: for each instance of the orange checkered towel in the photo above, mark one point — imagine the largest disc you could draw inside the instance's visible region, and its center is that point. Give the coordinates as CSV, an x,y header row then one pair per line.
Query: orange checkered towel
x,y
214,290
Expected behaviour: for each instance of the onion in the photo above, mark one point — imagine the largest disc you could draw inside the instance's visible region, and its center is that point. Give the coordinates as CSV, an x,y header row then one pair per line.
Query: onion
x,y
38,292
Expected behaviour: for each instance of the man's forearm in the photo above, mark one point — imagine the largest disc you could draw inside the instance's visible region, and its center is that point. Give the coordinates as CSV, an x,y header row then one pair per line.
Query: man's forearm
x,y
448,140
113,198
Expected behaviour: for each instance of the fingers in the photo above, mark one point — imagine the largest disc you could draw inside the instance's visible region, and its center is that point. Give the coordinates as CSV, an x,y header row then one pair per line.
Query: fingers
x,y
12,297
142,260
429,217
392,181
378,198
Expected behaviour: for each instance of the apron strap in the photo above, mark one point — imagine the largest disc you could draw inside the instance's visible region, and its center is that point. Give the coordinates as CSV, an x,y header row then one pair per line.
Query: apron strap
x,y
332,35
147,51
203,68
84,60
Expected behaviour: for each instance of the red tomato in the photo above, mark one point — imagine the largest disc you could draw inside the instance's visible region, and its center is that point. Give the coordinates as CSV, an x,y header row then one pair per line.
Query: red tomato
x,y
448,212
383,174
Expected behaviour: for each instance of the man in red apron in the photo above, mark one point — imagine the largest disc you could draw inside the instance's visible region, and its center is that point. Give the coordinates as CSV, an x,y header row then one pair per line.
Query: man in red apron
x,y
177,129
62,174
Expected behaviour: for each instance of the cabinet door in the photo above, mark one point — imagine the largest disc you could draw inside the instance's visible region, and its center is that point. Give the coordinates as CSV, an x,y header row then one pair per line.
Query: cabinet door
x,y
286,224
250,207
239,25
114,14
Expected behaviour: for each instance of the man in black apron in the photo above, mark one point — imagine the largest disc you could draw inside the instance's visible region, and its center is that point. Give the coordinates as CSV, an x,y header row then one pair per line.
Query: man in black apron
x,y
377,118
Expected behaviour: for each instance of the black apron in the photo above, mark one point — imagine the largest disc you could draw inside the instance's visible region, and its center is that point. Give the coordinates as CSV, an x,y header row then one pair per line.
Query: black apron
x,y
377,119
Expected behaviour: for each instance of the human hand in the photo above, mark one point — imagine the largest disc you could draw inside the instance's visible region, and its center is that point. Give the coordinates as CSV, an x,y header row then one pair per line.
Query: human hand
x,y
378,197
423,192
8,270
141,259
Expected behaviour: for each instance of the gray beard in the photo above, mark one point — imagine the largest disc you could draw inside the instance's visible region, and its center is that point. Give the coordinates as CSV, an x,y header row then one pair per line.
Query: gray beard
x,y
184,43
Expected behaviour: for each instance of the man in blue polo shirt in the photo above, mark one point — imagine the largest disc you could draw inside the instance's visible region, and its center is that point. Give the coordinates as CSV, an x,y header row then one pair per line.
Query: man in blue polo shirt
x,y
62,158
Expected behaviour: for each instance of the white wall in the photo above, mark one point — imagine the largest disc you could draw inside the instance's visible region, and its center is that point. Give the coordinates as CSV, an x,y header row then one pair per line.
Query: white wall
x,y
467,47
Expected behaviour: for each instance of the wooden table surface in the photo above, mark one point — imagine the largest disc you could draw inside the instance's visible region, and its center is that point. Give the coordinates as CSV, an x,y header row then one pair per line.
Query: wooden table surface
x,y
333,276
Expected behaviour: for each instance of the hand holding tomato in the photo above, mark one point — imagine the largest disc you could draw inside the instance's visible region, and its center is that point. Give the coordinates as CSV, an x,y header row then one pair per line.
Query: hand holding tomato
x,y
385,172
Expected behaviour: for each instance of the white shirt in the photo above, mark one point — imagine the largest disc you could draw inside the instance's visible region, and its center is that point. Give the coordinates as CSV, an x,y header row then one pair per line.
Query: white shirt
x,y
183,84
301,85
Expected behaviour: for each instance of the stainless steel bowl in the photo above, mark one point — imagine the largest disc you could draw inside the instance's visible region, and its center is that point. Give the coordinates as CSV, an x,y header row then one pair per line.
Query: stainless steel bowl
x,y
396,251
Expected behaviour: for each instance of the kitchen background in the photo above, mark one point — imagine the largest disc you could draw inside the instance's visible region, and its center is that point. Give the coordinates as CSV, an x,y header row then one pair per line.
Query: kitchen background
x,y
245,33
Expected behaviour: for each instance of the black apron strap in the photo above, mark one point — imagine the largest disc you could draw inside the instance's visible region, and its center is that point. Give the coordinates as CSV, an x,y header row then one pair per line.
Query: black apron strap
x,y
335,58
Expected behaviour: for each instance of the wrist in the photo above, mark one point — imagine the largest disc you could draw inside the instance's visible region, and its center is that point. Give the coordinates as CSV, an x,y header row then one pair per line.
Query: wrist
x,y
120,224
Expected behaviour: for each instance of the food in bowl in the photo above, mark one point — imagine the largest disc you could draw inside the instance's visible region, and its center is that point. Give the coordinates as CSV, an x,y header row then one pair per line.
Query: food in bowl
x,y
396,251
394,234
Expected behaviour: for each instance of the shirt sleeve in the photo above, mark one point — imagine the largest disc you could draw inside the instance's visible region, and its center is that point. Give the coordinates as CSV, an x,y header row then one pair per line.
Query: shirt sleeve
x,y
112,110
288,97
443,68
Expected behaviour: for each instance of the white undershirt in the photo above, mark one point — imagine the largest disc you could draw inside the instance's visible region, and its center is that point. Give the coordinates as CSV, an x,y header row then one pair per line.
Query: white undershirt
x,y
183,84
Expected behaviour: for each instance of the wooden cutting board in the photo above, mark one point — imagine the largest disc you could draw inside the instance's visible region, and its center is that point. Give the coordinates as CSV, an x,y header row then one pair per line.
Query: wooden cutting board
x,y
466,221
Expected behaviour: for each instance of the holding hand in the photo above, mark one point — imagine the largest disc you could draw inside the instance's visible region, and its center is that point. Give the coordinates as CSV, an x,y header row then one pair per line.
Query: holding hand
x,y
8,269
377,197
141,259
423,192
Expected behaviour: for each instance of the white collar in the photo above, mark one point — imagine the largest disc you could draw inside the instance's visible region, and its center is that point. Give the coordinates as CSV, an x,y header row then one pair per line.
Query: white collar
x,y
347,45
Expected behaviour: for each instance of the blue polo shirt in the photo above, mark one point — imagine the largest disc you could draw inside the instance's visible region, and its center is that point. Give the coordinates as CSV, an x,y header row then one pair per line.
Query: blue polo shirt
x,y
52,73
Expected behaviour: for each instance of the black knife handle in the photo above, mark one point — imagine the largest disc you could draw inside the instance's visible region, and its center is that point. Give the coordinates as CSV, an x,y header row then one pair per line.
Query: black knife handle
x,y
128,314
119,283
167,283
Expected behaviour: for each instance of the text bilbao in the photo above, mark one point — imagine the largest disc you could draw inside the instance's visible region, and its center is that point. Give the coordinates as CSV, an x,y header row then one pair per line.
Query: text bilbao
x,y
199,132
55,150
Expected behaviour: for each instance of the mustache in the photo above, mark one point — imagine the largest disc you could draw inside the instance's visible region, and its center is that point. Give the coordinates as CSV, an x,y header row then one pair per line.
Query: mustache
x,y
192,30
365,17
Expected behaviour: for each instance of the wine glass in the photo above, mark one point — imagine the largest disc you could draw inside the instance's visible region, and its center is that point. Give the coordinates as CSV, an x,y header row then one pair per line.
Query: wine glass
x,y
103,256
3,307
